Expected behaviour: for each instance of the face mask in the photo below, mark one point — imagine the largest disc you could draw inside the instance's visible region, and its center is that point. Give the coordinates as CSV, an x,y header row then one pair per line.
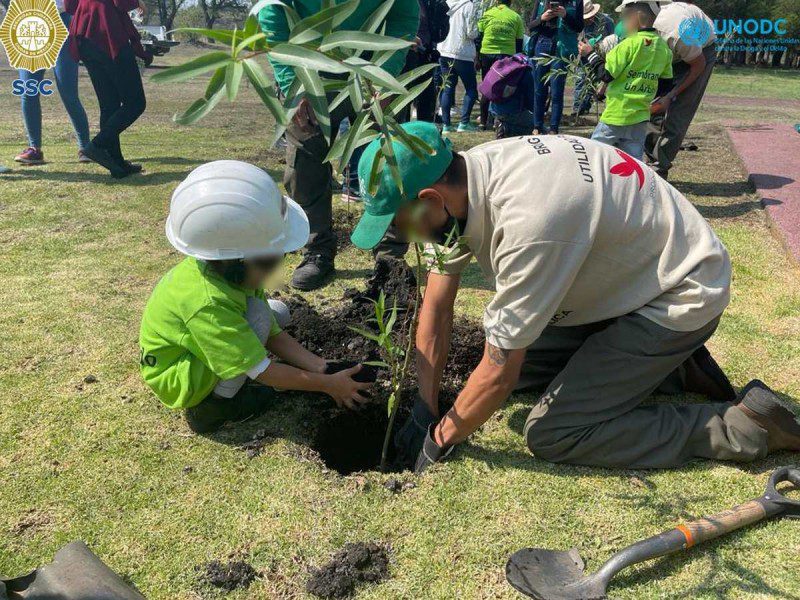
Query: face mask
x,y
449,231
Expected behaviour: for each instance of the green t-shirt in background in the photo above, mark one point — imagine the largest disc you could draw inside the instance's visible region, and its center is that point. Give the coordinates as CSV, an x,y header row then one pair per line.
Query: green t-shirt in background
x,y
636,64
501,28
195,333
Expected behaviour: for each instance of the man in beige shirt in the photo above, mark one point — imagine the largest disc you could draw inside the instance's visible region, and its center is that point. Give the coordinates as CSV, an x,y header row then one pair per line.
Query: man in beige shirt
x,y
608,283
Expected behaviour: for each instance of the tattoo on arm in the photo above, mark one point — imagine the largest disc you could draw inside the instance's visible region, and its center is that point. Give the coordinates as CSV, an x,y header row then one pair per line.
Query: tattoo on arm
x,y
497,356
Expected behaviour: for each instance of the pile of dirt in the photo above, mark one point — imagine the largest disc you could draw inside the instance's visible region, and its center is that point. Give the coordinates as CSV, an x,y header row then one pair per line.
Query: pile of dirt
x,y
228,576
355,563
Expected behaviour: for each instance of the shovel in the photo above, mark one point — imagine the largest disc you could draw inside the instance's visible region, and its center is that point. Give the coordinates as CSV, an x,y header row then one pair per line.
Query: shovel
x,y
555,575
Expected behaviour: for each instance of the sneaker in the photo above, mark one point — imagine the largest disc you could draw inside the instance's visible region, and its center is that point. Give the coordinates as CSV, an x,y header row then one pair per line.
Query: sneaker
x,y
82,158
467,127
448,129
351,194
30,156
132,167
313,272
764,407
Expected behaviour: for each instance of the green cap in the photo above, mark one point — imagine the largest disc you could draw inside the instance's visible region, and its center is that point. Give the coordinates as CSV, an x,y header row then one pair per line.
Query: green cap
x,y
417,174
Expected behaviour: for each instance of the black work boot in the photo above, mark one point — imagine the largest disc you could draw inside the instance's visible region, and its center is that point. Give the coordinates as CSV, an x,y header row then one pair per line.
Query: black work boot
x,y
704,376
764,407
313,272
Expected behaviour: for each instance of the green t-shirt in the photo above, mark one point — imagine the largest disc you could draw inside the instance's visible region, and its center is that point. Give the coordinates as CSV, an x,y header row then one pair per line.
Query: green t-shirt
x,y
195,333
501,28
636,64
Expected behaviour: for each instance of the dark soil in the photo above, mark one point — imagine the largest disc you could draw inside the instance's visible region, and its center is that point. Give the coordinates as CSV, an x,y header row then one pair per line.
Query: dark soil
x,y
228,576
348,441
355,563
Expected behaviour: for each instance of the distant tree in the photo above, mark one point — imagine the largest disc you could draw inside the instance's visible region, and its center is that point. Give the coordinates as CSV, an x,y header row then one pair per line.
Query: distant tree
x,y
168,10
214,9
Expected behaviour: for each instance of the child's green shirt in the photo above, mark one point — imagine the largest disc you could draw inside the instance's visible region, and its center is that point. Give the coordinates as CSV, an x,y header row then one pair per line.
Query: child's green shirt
x,y
195,333
636,64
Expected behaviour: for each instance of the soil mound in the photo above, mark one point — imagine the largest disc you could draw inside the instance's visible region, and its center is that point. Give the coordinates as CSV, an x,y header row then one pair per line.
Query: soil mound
x,y
355,563
228,576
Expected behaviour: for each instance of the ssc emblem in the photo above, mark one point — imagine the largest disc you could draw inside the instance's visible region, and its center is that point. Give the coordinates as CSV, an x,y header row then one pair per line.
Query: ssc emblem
x,y
32,34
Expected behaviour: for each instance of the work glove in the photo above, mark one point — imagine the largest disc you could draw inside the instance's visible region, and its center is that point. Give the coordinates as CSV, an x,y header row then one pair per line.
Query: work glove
x,y
409,438
431,453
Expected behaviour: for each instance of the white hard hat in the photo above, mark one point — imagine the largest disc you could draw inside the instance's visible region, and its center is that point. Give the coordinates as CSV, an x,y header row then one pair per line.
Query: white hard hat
x,y
229,209
655,5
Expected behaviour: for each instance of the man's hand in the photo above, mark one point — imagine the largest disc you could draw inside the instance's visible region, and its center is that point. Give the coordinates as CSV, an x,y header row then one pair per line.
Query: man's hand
x,y
660,105
584,48
345,390
561,12
304,117
411,435
430,453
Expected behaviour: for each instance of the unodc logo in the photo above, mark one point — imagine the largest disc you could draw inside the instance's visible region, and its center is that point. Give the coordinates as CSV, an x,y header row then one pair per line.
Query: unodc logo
x,y
32,34
694,31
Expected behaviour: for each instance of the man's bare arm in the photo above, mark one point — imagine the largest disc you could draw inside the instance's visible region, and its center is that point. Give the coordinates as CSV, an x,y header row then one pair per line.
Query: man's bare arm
x,y
433,335
487,388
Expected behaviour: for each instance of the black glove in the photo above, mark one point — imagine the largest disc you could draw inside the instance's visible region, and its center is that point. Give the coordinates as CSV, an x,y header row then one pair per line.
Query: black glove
x,y
408,439
431,453
367,374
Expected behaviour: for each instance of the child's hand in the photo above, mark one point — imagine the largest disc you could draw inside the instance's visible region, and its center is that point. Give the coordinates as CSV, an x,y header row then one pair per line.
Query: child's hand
x,y
345,390
601,91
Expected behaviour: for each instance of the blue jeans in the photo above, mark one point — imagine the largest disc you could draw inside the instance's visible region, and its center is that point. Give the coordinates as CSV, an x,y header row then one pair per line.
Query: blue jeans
x,y
555,88
66,75
628,138
452,70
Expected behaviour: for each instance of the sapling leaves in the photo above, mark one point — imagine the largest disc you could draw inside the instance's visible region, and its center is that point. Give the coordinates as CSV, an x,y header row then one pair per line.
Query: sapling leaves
x,y
193,68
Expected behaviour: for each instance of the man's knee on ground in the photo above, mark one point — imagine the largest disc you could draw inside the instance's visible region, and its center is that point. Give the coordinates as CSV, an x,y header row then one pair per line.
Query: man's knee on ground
x,y
547,442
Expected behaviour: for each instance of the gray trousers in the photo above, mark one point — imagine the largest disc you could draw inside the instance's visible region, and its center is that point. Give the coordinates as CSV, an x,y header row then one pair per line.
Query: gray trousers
x,y
597,376
664,141
308,181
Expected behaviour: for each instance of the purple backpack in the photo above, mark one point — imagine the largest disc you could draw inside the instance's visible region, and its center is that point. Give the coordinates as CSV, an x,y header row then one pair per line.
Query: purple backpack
x,y
502,80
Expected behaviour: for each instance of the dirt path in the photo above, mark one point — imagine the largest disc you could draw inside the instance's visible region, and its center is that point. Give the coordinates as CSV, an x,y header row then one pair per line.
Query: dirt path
x,y
771,157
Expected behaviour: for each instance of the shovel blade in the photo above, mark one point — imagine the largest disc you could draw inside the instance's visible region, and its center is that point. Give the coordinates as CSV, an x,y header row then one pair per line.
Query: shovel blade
x,y
552,575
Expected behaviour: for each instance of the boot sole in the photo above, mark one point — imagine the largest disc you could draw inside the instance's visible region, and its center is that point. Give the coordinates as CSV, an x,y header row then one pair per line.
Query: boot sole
x,y
765,407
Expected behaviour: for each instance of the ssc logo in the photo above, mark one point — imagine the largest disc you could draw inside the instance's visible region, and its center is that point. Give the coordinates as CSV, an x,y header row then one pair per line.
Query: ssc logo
x,y
694,31
32,34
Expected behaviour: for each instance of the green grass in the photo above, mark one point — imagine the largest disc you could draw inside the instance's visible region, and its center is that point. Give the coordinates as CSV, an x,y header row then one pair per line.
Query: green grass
x,y
756,82
104,462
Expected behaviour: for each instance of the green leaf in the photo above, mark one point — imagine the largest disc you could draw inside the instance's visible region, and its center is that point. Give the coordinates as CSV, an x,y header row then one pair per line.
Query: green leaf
x,y
251,26
375,74
233,78
374,172
409,76
199,108
215,83
193,68
250,42
377,18
356,93
353,138
315,92
364,333
360,40
321,22
387,147
258,79
299,56
392,319
224,36
338,99
376,363
404,100
392,403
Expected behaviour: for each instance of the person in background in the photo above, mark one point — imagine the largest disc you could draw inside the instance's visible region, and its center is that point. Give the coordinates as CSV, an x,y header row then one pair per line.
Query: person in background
x,y
434,25
208,325
502,31
596,26
514,117
694,62
457,61
631,74
102,35
554,28
307,176
66,76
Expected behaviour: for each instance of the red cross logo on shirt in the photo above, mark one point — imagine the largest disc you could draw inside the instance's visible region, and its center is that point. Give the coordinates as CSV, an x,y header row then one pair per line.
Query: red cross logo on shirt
x,y
628,167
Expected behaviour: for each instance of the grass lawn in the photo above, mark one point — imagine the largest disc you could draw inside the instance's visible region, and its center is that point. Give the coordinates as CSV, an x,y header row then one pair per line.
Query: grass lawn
x,y
105,463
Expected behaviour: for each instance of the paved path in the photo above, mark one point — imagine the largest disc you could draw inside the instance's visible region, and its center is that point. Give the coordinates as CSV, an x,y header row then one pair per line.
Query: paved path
x,y
771,157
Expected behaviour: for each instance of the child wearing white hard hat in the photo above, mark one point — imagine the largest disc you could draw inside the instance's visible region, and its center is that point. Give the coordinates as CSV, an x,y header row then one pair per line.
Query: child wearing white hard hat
x,y
208,325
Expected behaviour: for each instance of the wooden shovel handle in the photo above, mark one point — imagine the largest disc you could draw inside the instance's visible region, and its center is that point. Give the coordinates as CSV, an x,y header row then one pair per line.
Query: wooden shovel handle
x,y
708,528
